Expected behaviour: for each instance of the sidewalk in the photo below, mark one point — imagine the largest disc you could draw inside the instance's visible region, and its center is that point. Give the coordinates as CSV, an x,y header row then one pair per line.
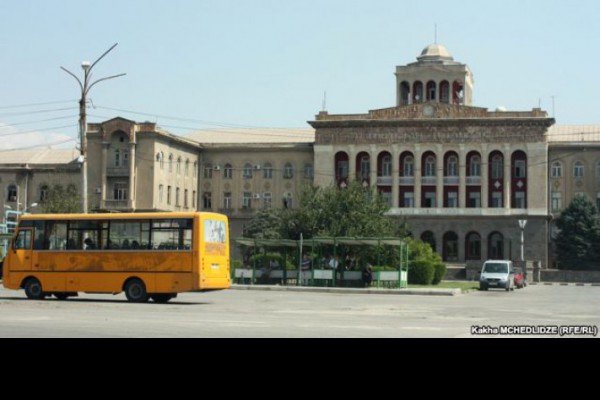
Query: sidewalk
x,y
336,290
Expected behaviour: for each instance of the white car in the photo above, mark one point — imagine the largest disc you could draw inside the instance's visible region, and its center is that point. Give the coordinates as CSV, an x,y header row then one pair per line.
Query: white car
x,y
497,274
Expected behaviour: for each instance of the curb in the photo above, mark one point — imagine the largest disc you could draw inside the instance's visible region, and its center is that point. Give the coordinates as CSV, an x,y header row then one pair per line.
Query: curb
x,y
409,292
562,284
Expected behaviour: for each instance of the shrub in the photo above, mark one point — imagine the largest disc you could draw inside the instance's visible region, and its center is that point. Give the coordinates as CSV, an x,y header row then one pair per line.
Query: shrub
x,y
439,273
384,268
420,272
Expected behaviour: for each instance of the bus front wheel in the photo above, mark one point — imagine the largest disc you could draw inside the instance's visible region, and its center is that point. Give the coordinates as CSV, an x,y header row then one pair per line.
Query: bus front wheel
x,y
135,291
33,289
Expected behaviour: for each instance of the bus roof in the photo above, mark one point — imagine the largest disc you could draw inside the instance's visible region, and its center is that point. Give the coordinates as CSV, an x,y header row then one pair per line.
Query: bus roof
x,y
120,216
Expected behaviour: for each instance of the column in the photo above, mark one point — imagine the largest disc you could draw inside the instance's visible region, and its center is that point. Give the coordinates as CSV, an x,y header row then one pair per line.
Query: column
x,y
507,178
373,157
462,178
485,179
439,173
395,176
418,175
351,164
104,195
131,202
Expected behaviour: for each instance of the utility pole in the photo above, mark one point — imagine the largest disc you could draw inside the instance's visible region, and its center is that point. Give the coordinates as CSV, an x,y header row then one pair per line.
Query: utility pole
x,y
86,86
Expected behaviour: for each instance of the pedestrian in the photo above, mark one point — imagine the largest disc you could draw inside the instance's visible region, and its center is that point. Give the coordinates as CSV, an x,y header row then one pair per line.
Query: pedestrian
x,y
367,275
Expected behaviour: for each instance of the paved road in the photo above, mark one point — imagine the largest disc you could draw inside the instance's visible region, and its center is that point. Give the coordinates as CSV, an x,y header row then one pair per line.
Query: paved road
x,y
236,313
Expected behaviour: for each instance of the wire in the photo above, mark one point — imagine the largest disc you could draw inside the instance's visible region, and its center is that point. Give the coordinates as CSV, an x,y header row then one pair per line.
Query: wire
x,y
36,104
17,114
36,130
8,124
38,146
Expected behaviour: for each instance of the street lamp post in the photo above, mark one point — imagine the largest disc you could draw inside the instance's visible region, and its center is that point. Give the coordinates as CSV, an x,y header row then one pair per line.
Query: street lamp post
x,y
85,89
522,223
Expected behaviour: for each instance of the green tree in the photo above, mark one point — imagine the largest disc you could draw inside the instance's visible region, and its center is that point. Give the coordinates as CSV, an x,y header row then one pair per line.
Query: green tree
x,y
62,200
578,242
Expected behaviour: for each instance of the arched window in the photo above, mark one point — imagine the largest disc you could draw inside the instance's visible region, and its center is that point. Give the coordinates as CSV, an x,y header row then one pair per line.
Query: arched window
x,y
309,171
496,246
159,160
418,92
452,166
195,169
408,166
445,92
170,162
341,168
178,165
404,93
473,246
228,171
386,165
117,158
288,171
556,169
450,252
187,167
431,91
429,238
475,166
430,166
44,193
363,163
268,171
497,167
247,171
578,169
12,193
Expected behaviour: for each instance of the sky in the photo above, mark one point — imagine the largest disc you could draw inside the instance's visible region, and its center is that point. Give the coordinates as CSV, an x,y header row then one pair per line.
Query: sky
x,y
195,64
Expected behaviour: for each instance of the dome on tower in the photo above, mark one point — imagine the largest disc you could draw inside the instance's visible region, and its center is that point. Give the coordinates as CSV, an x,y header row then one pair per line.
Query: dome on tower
x,y
435,52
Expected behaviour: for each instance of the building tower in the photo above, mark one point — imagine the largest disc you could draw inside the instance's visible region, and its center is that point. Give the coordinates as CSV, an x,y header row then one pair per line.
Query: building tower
x,y
435,77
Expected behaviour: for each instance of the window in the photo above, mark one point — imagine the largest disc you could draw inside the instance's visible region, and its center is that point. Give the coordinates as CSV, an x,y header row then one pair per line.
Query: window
x,y
496,246
474,200
187,168
169,195
177,203
44,193
519,200
171,234
228,172
126,235
452,200
342,169
475,167
409,166
386,166
185,199
208,171
452,166
247,171
430,166
179,166
473,246
195,169
365,167
161,190
117,158
207,201
556,169
288,200
170,162
194,200
496,199
160,160
309,172
556,201
387,198
125,162
430,200
268,171
497,167
120,191
409,199
288,171
247,200
520,169
23,241
578,170
267,199
227,202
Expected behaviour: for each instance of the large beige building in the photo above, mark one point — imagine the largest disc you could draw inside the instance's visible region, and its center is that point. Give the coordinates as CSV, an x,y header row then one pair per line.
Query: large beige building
x,y
461,176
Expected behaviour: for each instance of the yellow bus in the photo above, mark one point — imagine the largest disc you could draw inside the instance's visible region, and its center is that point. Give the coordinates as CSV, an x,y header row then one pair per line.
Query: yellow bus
x,y
146,256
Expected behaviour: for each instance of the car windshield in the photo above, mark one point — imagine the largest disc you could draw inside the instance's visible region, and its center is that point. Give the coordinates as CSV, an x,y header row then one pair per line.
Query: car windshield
x,y
495,268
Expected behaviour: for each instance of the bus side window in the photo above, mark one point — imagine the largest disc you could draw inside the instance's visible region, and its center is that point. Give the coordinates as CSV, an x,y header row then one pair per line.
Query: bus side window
x,y
23,241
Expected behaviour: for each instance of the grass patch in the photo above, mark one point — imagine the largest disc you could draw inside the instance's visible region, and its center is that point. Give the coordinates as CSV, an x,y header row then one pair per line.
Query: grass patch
x,y
464,286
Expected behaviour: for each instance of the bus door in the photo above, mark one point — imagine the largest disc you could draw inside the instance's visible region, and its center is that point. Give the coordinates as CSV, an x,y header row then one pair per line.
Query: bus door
x,y
21,253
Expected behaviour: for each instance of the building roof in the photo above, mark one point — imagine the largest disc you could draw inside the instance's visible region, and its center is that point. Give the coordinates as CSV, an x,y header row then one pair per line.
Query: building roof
x,y
38,157
574,134
253,136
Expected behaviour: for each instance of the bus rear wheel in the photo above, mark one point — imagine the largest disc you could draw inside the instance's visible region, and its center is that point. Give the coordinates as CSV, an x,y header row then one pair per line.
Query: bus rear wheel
x,y
161,297
33,289
135,291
